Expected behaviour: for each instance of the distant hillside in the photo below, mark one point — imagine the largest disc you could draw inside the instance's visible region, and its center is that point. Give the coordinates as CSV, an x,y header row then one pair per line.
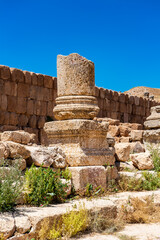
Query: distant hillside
x,y
139,92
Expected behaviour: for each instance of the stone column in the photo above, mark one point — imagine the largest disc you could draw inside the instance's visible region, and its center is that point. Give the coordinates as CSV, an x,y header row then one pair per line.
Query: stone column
x,y
76,88
82,139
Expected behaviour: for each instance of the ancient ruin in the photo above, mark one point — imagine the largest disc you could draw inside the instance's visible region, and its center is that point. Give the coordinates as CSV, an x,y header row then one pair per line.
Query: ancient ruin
x,y
82,139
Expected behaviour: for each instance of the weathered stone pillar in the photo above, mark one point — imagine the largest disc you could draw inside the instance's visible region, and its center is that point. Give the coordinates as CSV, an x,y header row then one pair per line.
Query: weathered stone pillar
x,y
76,88
82,139
152,126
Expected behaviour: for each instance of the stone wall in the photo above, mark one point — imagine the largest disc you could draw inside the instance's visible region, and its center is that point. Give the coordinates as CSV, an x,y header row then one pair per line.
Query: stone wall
x,y
122,106
27,100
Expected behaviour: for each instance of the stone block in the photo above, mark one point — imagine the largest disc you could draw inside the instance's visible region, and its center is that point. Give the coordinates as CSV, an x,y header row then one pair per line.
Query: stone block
x,y
122,98
17,75
3,105
5,72
40,81
126,118
123,107
114,115
136,135
23,90
142,161
16,136
129,108
13,119
10,88
94,175
41,122
124,130
111,173
40,93
45,94
83,141
97,92
102,93
113,130
49,109
32,121
122,151
21,105
33,92
6,118
30,107
131,99
48,81
34,79
115,96
22,120
54,83
12,103
136,100
27,77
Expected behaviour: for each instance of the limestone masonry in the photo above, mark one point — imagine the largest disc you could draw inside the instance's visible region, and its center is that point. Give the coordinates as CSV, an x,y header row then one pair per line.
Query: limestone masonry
x,y
27,100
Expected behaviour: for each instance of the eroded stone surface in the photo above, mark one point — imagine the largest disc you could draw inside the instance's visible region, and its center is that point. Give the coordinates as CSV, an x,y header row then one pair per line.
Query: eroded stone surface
x,y
76,88
47,156
142,161
7,225
122,151
83,141
14,150
16,136
81,176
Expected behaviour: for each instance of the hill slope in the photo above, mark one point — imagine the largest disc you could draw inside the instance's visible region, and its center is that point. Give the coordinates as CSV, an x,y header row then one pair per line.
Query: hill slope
x,y
139,92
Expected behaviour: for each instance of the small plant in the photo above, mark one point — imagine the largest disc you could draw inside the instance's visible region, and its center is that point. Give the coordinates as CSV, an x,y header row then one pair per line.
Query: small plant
x,y
155,153
148,182
43,186
66,174
11,185
1,236
66,226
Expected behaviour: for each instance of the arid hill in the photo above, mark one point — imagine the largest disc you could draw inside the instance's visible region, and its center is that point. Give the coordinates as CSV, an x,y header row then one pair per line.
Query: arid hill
x,y
139,92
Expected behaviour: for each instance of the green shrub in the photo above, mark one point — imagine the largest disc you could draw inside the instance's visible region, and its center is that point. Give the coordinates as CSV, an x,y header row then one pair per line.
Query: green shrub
x,y
148,181
43,186
155,153
11,185
66,174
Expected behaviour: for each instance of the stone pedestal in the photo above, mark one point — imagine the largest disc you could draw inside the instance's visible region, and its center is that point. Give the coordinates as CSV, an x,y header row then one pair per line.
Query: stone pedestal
x,y
82,139
152,126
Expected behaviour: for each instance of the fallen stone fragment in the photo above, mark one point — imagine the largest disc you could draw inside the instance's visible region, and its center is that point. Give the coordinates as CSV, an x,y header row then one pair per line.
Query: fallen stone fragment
x,y
142,161
137,147
47,156
136,135
122,151
4,150
16,136
16,150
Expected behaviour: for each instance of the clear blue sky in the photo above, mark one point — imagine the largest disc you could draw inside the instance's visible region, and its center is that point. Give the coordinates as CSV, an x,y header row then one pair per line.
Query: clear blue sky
x,y
122,38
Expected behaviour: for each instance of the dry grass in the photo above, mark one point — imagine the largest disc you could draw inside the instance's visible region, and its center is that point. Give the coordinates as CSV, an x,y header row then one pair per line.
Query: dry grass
x,y
141,211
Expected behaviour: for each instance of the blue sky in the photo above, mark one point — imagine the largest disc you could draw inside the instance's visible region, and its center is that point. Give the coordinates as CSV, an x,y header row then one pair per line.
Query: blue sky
x,y
122,38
